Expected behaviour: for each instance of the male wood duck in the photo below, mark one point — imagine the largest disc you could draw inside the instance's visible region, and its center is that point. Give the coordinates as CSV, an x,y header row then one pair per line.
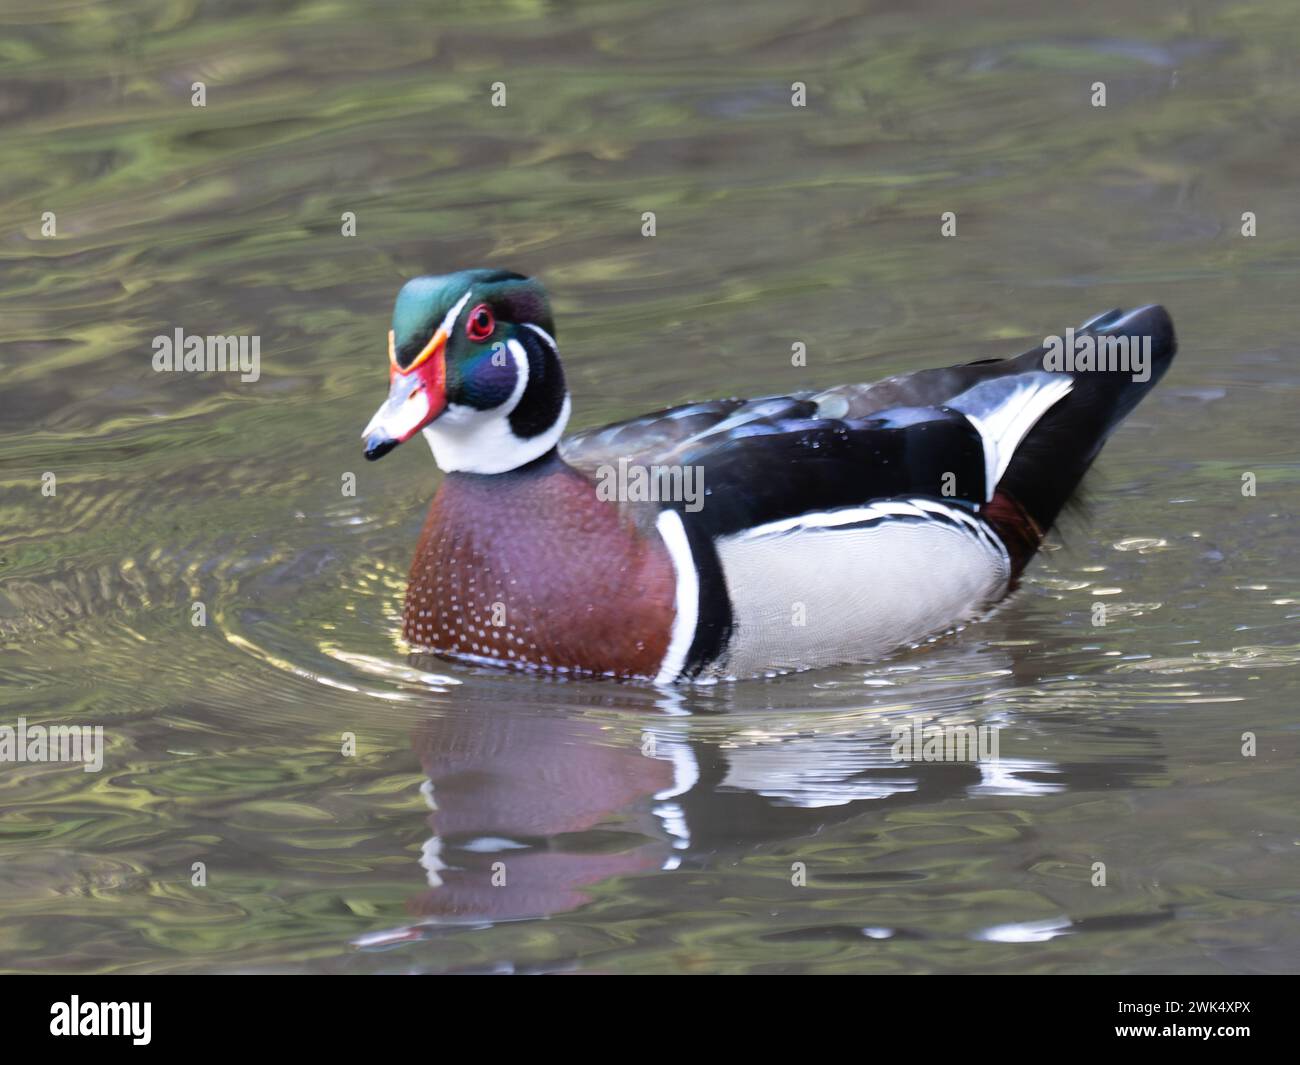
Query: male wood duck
x,y
834,526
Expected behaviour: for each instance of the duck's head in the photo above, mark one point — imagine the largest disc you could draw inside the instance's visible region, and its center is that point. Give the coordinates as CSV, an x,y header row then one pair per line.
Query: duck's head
x,y
473,363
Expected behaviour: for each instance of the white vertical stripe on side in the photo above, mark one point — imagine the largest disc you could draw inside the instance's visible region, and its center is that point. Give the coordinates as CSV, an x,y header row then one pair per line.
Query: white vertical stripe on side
x,y
687,604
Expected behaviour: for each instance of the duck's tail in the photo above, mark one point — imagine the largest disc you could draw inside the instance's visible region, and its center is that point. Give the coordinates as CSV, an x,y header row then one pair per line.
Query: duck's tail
x,y
1112,361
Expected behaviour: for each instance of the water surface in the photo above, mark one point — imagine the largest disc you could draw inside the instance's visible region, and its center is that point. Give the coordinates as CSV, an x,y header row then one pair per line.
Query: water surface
x,y
760,827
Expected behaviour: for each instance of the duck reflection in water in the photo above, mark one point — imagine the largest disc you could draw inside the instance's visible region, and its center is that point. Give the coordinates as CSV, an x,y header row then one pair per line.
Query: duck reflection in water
x,y
532,805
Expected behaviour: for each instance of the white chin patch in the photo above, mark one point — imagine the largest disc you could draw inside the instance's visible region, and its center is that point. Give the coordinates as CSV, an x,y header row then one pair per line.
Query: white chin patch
x,y
468,440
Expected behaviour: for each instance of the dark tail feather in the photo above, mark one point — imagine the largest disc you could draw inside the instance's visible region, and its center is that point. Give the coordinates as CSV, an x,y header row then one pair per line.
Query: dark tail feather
x,y
1052,459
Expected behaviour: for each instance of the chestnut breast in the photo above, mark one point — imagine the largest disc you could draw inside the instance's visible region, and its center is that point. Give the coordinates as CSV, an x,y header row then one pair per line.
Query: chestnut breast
x,y
531,568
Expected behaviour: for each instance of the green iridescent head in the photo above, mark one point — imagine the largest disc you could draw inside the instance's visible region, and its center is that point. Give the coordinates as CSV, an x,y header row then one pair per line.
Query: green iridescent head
x,y
472,361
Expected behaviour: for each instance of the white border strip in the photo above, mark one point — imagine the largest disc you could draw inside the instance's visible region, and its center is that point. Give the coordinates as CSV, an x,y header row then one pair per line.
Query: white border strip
x,y
687,603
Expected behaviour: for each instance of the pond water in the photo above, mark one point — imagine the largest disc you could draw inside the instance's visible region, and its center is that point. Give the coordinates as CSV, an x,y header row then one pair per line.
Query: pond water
x,y
755,827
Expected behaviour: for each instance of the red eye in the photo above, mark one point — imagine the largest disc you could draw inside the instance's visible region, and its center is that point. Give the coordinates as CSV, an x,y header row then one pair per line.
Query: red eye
x,y
480,324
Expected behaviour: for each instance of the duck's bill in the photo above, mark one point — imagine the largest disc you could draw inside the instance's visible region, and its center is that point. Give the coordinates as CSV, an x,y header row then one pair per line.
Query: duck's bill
x,y
415,398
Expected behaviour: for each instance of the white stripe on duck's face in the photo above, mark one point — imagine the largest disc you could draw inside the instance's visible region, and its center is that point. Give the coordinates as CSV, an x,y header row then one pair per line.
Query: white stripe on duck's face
x,y
465,439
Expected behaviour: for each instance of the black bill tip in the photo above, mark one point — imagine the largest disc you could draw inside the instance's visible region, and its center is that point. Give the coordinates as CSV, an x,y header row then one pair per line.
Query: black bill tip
x,y
379,446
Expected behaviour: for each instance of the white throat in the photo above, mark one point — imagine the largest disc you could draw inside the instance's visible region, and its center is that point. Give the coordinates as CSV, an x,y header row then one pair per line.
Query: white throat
x,y
468,440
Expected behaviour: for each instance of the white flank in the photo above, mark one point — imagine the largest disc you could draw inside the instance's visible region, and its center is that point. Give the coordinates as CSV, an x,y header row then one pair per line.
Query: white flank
x,y
853,584
687,603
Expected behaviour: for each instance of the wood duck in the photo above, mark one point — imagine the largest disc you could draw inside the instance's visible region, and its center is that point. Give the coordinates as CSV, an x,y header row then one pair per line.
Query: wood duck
x,y
832,527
